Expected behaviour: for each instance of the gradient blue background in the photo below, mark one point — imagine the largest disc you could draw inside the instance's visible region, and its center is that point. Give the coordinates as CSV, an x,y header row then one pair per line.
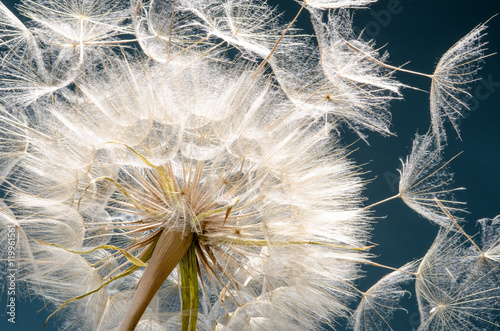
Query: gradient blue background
x,y
419,31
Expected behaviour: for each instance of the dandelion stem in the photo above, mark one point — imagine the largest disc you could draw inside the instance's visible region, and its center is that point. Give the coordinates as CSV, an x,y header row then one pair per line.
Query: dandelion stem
x,y
169,250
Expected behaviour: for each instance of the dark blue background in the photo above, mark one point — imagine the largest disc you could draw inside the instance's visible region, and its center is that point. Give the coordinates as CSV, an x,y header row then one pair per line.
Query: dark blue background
x,y
419,31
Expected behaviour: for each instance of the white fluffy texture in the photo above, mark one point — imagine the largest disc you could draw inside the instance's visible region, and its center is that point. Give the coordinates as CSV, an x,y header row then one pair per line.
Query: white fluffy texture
x,y
490,239
13,141
364,87
457,284
250,26
165,28
107,140
334,80
273,202
13,235
424,177
14,32
313,197
76,23
455,72
26,68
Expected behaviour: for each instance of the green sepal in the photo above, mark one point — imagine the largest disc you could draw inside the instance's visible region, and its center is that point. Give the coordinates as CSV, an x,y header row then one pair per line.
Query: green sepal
x,y
146,256
190,291
127,255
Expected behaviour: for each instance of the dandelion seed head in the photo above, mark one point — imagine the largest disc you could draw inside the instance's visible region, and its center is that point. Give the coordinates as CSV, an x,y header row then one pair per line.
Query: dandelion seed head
x,y
207,152
170,165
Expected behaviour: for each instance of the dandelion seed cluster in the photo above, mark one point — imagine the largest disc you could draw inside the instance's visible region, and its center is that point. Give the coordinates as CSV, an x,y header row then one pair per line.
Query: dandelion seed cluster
x,y
179,165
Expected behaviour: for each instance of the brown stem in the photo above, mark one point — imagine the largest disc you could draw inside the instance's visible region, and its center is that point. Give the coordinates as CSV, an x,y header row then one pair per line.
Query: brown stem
x,y
169,250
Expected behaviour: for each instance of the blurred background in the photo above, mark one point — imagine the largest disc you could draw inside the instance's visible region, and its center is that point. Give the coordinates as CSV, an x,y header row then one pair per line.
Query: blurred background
x,y
418,32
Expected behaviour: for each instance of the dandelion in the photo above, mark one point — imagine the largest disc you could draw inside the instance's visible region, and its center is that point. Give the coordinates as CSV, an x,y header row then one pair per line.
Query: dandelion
x,y
169,165
238,207
452,78
218,196
456,284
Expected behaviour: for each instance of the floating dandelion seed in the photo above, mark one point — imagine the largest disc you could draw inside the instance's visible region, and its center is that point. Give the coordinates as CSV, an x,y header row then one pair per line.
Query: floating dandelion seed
x,y
379,303
457,283
424,178
452,78
358,84
455,72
